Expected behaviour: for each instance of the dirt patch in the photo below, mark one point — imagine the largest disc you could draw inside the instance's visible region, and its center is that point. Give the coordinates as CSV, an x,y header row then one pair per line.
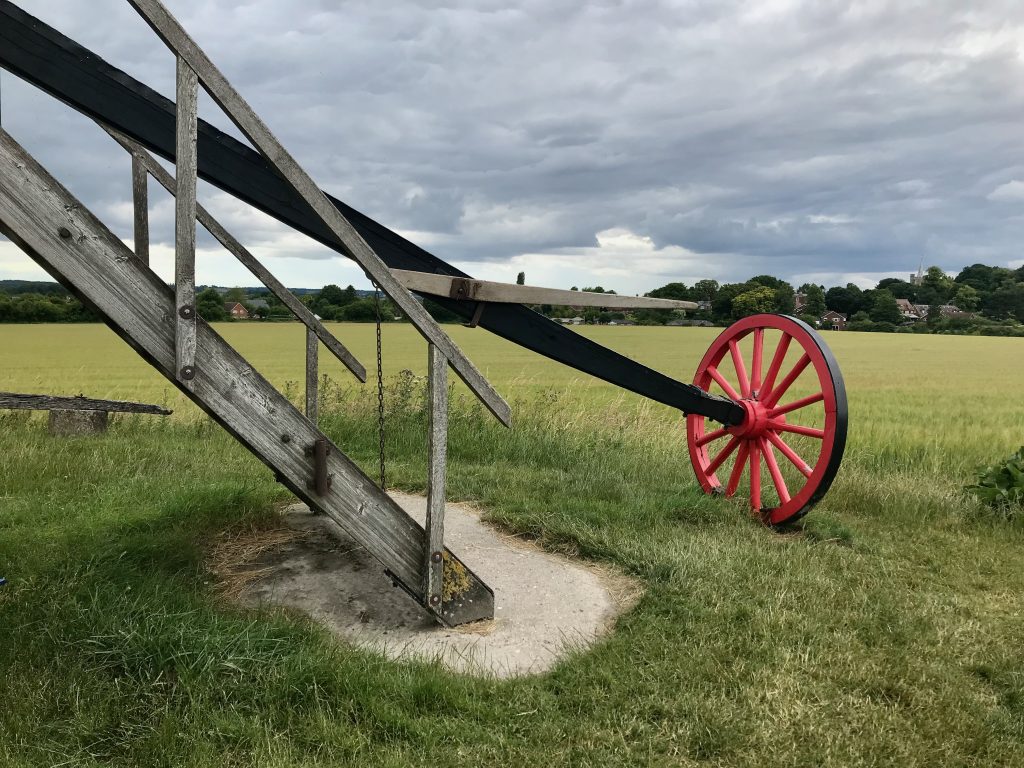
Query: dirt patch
x,y
546,605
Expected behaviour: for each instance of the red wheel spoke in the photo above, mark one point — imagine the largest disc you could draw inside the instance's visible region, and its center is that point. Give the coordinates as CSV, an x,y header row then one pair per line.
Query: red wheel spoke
x,y
725,385
721,457
737,470
741,371
776,364
774,396
789,453
796,429
755,366
710,437
755,476
796,405
773,468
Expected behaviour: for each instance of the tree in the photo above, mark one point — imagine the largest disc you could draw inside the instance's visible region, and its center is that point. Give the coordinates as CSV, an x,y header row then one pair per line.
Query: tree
x,y
967,298
934,315
677,291
753,302
785,298
332,295
984,279
814,299
901,289
846,301
235,294
884,309
939,284
1006,303
210,305
705,290
362,311
521,278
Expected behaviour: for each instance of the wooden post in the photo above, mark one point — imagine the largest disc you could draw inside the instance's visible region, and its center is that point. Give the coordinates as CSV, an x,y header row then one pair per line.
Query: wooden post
x,y
437,376
140,198
185,223
312,372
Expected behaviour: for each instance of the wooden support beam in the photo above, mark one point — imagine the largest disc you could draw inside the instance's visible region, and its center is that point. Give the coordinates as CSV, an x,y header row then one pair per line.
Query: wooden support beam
x,y
312,372
185,223
56,230
140,201
19,402
468,289
245,258
437,463
353,244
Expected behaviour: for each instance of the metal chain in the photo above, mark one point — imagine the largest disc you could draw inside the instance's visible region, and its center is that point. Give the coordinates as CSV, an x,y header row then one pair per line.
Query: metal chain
x,y
380,388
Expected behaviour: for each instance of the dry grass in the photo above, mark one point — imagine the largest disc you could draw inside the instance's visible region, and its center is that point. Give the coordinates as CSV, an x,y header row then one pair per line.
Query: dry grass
x,y
233,557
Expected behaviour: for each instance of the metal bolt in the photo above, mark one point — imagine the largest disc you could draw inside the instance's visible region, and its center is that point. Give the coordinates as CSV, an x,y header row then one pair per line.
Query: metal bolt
x,y
436,557
435,599
64,232
186,312
188,373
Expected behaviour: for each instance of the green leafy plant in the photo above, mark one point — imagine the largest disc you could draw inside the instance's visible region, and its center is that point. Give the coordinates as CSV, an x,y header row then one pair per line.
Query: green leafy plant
x,y
1001,485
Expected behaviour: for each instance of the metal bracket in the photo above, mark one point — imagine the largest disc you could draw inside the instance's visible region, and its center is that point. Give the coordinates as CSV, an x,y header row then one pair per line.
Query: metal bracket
x,y
463,289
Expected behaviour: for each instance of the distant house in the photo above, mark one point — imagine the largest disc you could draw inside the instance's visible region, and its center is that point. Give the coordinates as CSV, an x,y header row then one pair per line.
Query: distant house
x,y
800,303
834,321
260,307
945,310
236,310
951,310
703,306
908,310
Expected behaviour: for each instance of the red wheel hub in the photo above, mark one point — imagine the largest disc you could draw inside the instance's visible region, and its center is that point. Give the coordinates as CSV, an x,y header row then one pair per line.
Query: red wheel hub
x,y
773,366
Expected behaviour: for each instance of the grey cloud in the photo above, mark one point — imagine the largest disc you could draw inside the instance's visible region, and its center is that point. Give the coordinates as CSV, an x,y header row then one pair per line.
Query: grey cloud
x,y
794,138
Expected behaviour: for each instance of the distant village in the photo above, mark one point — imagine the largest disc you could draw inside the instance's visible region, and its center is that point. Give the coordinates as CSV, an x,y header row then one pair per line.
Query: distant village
x,y
980,299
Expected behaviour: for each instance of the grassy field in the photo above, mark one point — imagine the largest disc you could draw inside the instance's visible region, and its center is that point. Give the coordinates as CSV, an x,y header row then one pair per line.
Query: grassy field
x,y
887,631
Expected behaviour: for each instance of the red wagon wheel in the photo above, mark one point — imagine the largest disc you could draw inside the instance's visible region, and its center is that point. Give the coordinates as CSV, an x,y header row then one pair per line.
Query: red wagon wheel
x,y
796,407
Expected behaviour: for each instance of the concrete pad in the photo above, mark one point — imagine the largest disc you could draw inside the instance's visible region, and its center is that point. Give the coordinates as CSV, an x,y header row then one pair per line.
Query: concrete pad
x,y
546,605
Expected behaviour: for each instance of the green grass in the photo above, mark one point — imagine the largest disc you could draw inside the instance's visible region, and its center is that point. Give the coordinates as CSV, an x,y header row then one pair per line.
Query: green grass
x,y
886,632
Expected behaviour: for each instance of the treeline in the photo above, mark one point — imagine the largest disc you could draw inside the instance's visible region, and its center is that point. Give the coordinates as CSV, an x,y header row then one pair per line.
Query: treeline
x,y
330,303
52,307
990,301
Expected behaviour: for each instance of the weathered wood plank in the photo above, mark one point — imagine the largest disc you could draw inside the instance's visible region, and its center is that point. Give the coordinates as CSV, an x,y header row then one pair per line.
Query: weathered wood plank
x,y
186,171
467,289
312,374
437,463
140,201
354,246
20,402
247,260
105,274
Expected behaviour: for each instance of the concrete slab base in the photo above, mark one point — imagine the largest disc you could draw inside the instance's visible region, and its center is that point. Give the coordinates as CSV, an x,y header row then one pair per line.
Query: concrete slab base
x,y
546,605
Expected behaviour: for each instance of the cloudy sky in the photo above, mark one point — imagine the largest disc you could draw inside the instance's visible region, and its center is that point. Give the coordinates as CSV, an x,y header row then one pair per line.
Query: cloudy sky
x,y
618,143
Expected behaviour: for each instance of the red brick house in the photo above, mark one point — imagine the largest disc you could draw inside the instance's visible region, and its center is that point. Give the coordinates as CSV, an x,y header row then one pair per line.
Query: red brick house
x,y
834,321
236,310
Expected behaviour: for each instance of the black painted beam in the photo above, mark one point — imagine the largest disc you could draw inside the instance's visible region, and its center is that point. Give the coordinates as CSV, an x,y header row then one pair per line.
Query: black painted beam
x,y
71,73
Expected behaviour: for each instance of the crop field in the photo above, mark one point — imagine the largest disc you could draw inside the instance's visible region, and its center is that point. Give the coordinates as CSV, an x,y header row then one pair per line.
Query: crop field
x,y
886,629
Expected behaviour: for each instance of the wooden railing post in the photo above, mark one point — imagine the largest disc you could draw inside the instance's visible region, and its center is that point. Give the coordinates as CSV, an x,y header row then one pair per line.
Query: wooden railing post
x,y
312,372
437,377
140,200
186,170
